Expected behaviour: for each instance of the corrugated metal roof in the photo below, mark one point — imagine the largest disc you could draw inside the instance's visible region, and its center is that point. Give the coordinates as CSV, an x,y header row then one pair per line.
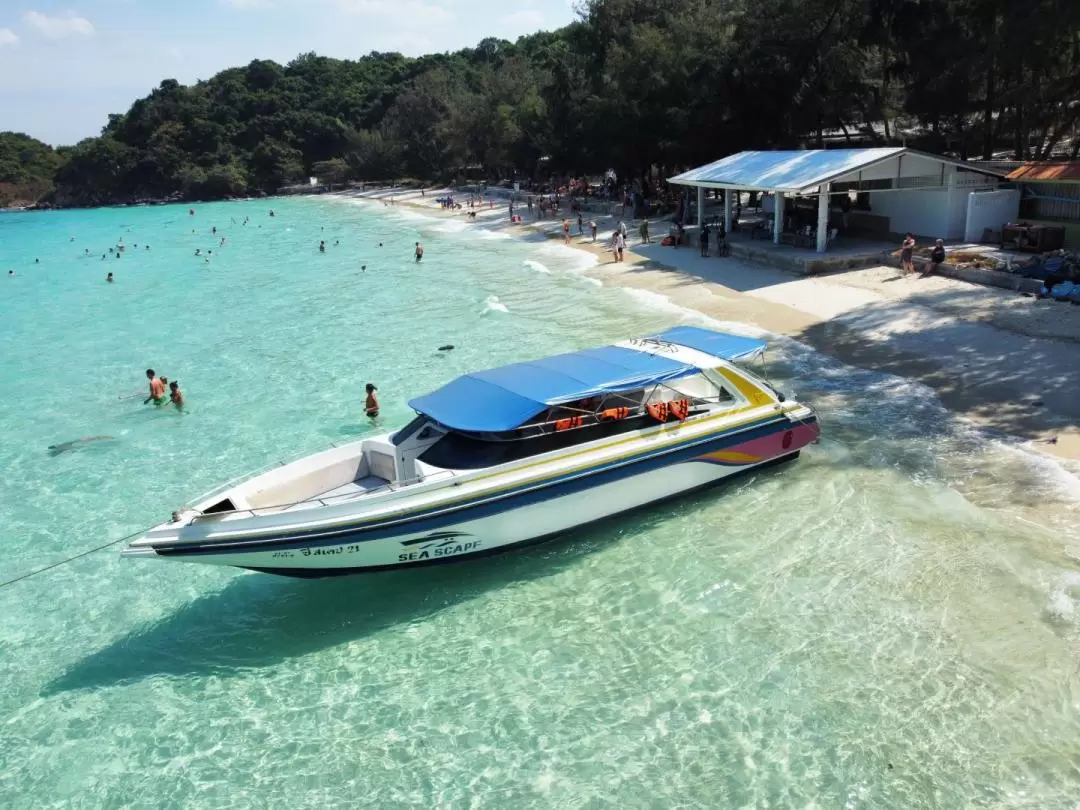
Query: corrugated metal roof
x,y
794,170
1064,172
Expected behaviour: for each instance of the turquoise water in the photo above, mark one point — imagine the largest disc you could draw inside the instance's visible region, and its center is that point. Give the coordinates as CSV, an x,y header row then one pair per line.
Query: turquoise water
x,y
894,621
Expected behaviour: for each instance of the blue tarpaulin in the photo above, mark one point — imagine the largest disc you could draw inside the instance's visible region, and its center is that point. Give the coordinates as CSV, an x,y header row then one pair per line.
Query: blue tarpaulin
x,y
501,399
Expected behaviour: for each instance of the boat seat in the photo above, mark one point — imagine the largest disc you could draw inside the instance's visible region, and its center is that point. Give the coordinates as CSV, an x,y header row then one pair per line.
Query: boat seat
x,y
357,487
380,464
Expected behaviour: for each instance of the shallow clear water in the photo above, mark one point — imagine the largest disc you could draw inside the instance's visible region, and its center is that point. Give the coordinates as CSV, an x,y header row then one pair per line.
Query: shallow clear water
x,y
893,621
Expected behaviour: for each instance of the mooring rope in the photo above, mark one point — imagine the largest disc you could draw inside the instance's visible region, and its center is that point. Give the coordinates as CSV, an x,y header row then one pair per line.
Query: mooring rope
x,y
67,560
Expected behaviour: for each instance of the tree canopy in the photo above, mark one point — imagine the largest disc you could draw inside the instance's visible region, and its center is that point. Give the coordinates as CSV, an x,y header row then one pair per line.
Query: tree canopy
x,y
633,84
27,167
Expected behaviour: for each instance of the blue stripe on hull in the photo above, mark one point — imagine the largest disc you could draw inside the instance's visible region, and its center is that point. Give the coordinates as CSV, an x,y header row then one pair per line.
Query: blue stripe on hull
x,y
323,573
566,485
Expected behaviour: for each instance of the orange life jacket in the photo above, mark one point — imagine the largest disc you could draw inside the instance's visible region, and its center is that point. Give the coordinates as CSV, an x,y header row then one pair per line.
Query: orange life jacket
x,y
658,411
569,422
680,409
613,414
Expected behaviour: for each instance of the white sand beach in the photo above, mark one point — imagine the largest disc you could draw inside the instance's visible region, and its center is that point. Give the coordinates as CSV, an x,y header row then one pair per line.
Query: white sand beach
x,y
1005,361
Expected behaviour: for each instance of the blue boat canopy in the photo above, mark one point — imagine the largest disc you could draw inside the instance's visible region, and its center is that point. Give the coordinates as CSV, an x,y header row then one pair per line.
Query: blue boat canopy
x,y
505,398
720,344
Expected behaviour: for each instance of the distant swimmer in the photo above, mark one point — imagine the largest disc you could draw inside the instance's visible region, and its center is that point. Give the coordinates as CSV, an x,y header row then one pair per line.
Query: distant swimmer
x,y
73,239
371,404
214,230
322,247
10,273
363,268
446,348
176,396
271,212
198,251
222,242
63,447
380,244
109,278
37,261
419,252
147,247
337,242
86,251
157,388
191,212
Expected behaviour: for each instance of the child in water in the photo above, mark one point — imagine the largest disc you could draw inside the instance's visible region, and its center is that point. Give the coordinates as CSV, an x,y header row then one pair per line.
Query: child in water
x,y
371,404
176,396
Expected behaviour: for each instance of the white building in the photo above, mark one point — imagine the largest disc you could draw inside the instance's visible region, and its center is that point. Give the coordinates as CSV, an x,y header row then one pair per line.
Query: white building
x,y
876,192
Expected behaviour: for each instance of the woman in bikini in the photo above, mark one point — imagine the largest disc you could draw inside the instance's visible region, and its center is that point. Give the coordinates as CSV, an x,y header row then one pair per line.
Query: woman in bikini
x,y
371,404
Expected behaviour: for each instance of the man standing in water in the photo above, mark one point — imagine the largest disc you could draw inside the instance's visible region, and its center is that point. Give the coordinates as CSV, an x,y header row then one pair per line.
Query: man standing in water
x,y
419,252
157,388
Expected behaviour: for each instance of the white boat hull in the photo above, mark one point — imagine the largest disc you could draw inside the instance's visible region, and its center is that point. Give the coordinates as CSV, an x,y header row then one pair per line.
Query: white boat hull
x,y
491,533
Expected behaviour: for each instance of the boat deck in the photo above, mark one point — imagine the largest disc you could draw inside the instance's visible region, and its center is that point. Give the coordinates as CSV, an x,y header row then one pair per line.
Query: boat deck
x,y
361,486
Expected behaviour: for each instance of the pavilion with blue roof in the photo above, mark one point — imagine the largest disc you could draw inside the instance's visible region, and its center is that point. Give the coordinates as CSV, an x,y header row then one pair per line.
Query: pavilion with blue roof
x,y
905,189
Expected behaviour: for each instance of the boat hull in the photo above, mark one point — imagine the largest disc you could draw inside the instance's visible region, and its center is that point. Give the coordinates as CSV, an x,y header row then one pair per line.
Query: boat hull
x,y
497,525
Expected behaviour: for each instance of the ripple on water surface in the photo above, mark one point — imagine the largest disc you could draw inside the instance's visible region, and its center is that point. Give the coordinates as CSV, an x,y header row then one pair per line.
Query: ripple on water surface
x,y
890,622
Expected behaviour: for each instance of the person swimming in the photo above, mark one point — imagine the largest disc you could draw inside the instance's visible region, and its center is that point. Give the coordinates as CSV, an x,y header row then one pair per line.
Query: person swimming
x,y
363,268
322,247
419,252
157,388
109,278
371,404
176,396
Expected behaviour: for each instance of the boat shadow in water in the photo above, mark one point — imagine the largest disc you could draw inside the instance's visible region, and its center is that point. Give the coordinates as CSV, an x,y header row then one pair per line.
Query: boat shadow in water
x,y
258,621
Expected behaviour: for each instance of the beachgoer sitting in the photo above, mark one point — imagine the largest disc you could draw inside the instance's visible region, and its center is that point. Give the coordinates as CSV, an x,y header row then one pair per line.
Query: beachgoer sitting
x,y
937,257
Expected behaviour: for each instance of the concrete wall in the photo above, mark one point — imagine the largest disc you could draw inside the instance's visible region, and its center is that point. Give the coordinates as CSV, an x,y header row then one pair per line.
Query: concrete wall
x,y
990,209
924,212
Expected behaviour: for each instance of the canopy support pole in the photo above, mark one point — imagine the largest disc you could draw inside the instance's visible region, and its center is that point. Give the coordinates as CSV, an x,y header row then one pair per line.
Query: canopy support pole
x,y
700,206
823,218
727,209
778,217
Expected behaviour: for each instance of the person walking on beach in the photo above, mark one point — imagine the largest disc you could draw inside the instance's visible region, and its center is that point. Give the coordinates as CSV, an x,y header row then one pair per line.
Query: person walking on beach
x,y
371,404
704,240
592,227
157,388
644,230
566,232
906,251
580,225
419,253
620,246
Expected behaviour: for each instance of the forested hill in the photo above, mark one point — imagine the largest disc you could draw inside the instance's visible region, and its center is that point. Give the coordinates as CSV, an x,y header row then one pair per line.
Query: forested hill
x,y
27,167
633,84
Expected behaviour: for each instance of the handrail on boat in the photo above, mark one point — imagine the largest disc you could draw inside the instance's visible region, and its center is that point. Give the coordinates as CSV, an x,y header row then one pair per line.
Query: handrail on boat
x,y
326,501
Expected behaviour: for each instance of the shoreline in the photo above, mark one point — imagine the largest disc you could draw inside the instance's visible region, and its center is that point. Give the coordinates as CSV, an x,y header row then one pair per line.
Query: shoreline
x,y
1005,381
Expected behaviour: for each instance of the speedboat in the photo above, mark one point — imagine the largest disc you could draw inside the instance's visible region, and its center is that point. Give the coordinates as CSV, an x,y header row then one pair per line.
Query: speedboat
x,y
500,458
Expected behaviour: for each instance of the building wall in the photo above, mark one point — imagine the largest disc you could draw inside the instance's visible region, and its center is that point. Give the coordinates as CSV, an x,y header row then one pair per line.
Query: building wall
x,y
990,209
924,212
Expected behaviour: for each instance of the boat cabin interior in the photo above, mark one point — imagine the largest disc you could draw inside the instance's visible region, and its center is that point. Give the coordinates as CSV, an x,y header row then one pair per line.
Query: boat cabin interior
x,y
424,450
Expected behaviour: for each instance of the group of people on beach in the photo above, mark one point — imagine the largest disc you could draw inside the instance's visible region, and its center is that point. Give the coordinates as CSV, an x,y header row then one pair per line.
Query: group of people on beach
x,y
162,390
